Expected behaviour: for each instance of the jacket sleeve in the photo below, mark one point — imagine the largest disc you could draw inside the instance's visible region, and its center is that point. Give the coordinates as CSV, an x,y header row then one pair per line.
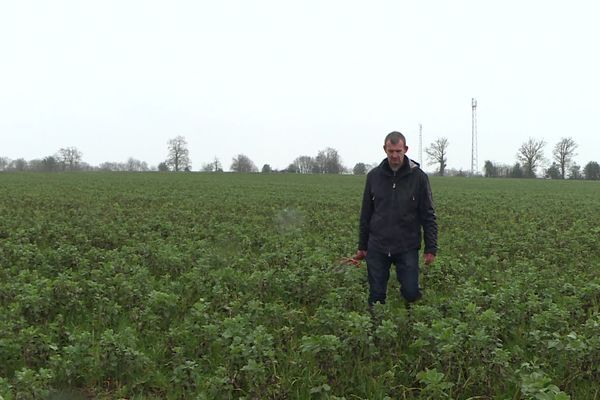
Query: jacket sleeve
x,y
365,217
427,217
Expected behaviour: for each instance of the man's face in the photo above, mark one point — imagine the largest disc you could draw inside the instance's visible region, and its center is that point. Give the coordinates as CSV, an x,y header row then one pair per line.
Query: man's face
x,y
395,153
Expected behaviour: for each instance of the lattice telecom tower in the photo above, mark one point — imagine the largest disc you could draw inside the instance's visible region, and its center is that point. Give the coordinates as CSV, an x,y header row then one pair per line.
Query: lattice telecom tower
x,y
474,166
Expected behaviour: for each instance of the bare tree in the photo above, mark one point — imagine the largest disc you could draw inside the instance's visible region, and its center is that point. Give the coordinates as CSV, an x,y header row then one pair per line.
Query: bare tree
x,y
208,167
70,157
304,164
242,163
496,170
134,165
35,165
20,164
179,155
359,169
217,165
516,171
4,163
592,171
50,164
563,153
112,166
575,172
553,172
437,152
292,169
214,166
328,161
320,163
531,154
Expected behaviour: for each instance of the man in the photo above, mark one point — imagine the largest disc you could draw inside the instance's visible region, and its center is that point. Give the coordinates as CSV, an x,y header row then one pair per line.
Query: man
x,y
397,203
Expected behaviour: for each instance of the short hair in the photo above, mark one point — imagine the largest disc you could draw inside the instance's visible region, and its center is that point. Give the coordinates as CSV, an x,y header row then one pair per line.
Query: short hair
x,y
394,137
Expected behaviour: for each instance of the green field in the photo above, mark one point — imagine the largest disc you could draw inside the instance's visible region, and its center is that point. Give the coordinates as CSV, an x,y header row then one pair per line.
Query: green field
x,y
226,286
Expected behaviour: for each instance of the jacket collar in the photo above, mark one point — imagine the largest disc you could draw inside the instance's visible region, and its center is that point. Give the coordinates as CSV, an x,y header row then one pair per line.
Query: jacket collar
x,y
407,167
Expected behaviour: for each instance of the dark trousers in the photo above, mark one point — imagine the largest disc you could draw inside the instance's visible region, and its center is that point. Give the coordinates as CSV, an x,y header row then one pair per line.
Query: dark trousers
x,y
407,273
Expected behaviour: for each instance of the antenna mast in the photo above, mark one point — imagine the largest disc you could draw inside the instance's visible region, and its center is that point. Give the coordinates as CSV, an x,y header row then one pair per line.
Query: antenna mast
x,y
474,167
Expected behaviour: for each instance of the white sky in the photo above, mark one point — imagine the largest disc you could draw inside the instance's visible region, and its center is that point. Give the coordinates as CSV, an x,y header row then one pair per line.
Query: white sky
x,y
278,79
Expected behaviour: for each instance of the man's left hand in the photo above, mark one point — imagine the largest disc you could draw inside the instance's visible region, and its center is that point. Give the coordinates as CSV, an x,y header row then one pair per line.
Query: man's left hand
x,y
429,258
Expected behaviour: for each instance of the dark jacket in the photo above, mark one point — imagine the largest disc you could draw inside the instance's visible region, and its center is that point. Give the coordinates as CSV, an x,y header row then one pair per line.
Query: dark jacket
x,y
395,207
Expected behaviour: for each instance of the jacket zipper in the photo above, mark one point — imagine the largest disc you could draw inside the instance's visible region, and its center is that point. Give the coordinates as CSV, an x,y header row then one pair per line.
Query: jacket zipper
x,y
393,188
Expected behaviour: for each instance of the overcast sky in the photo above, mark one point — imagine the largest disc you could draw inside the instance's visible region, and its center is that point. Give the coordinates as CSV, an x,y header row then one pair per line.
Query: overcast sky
x,y
278,79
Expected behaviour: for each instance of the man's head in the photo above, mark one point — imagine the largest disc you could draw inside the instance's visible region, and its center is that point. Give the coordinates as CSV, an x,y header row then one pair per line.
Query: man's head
x,y
395,147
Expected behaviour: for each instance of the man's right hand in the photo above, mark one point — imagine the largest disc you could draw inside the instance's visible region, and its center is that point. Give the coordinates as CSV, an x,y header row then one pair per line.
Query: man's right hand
x,y
429,258
360,255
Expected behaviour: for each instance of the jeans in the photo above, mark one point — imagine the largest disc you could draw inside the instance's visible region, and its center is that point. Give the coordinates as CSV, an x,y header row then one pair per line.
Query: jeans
x,y
407,273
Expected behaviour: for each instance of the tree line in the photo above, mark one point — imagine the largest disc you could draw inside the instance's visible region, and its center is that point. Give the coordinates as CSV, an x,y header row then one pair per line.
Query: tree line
x,y
65,159
529,159
70,159
327,161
